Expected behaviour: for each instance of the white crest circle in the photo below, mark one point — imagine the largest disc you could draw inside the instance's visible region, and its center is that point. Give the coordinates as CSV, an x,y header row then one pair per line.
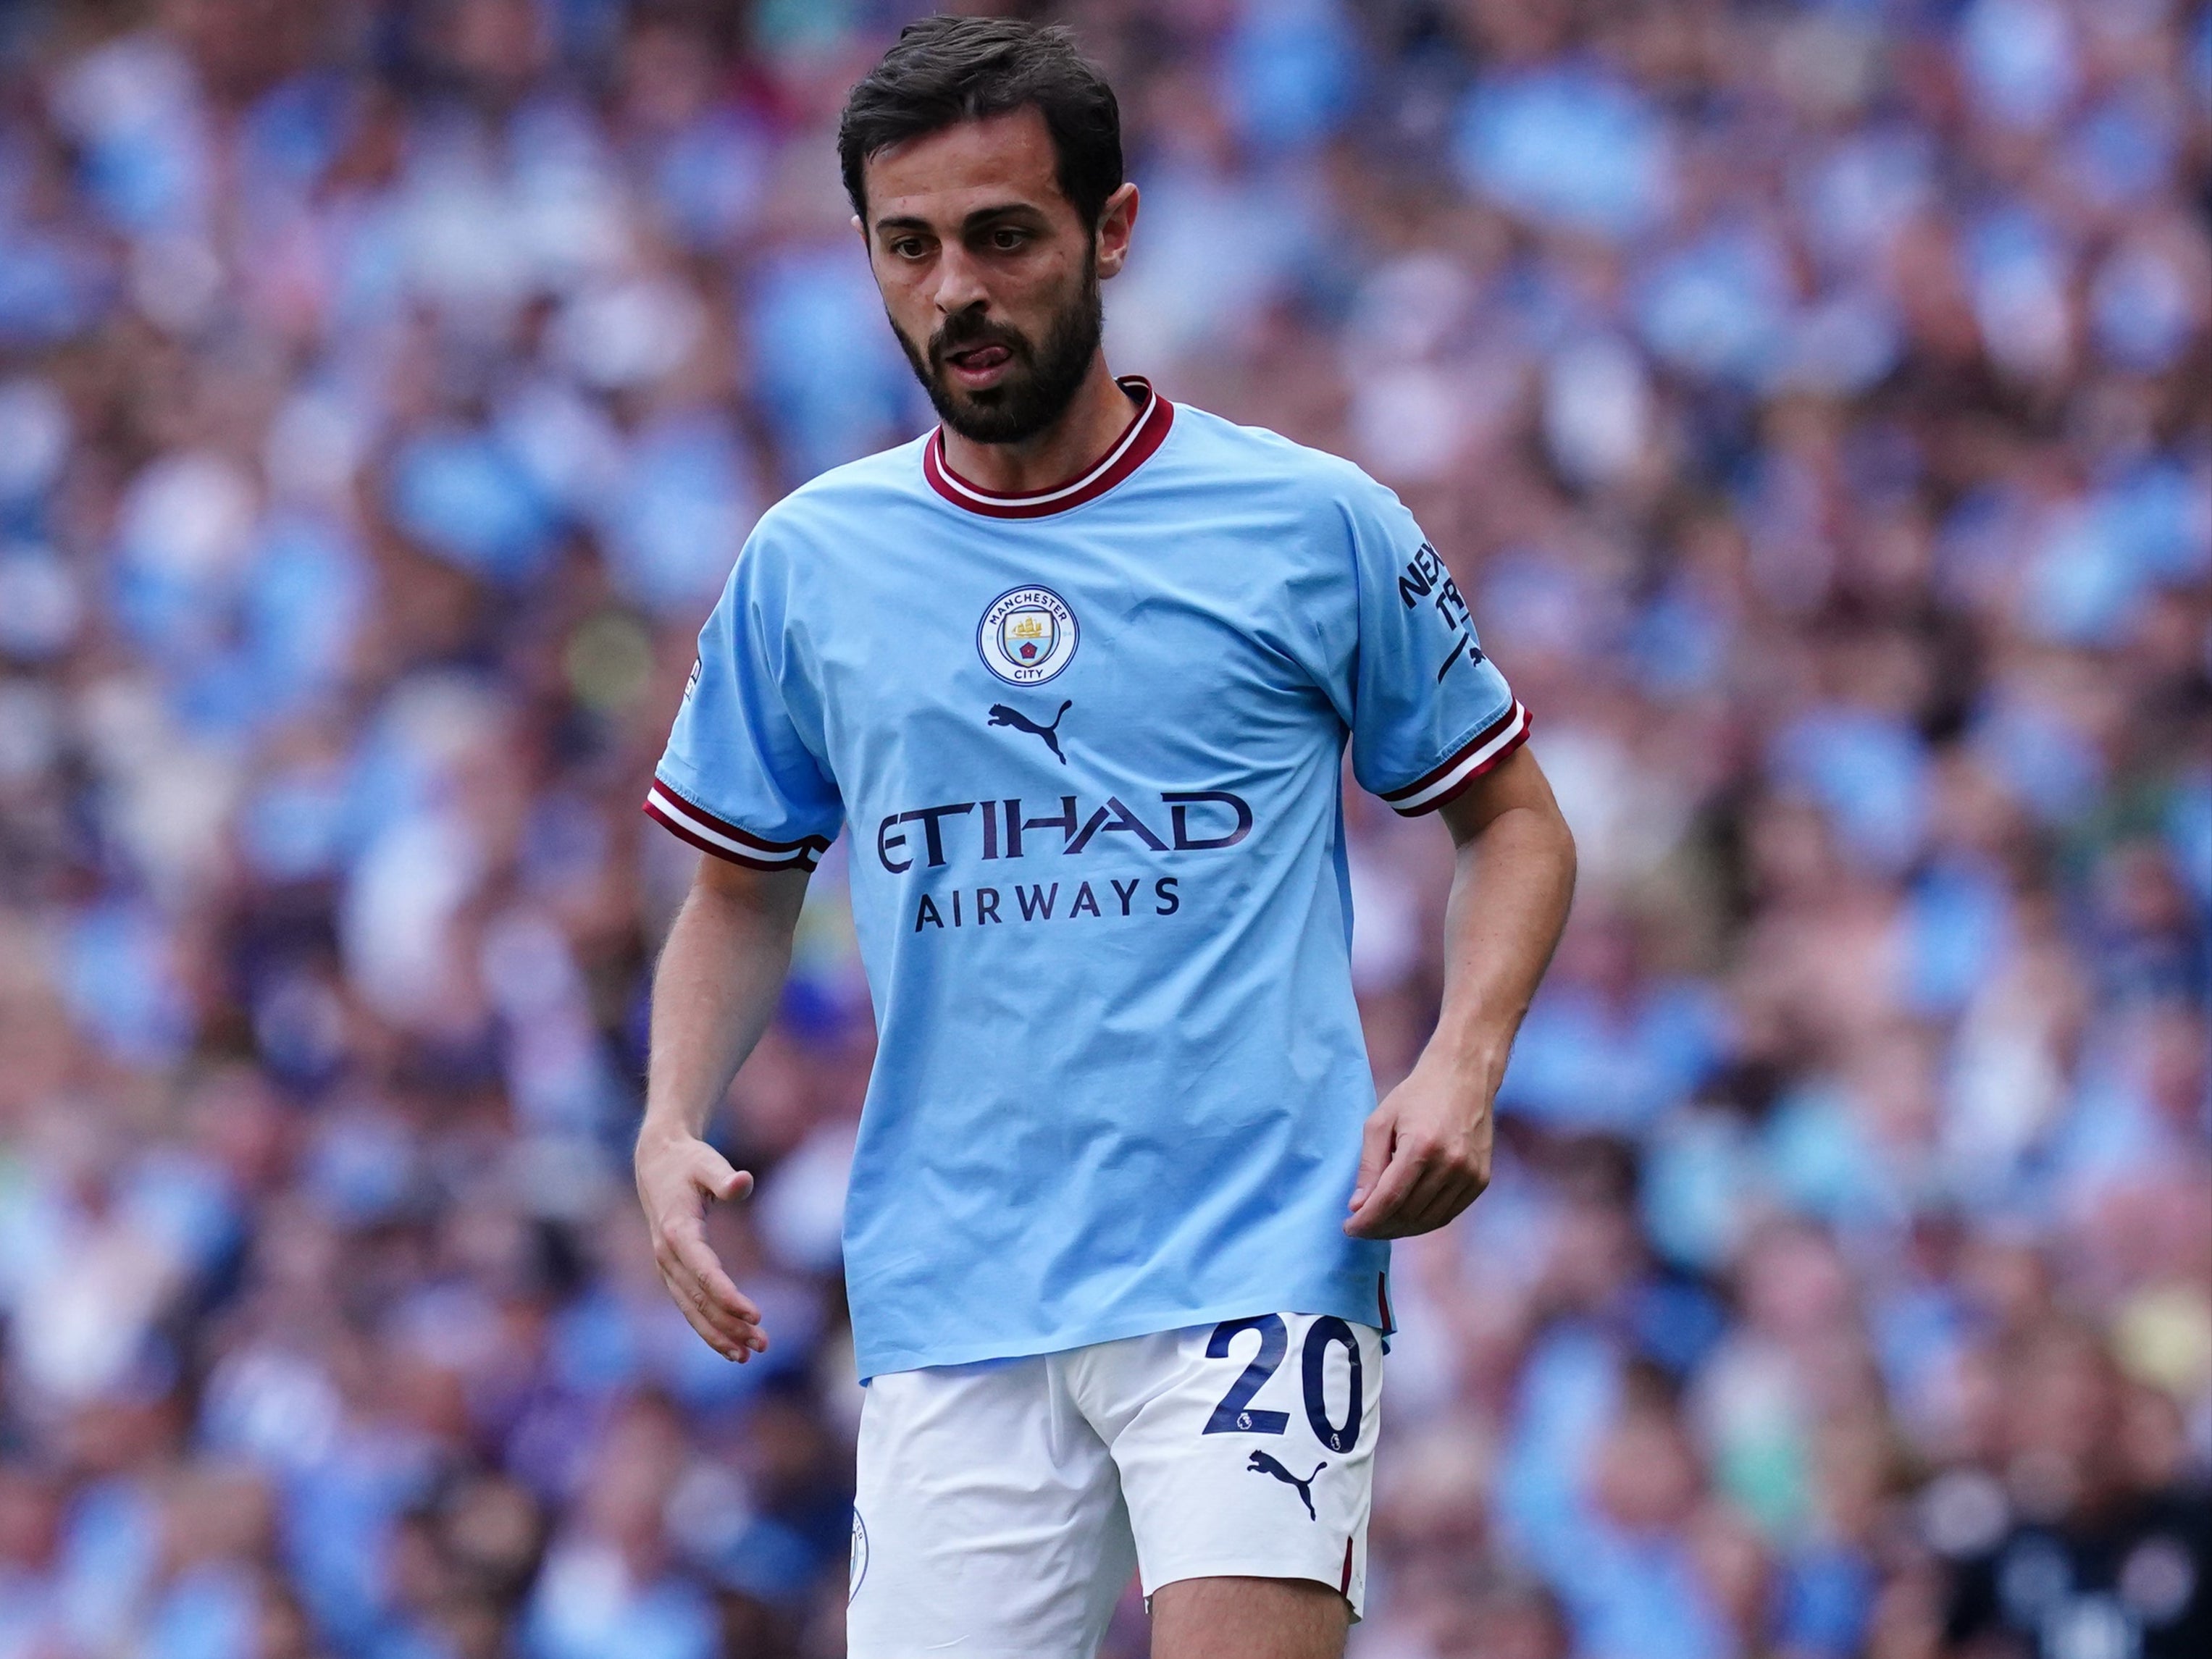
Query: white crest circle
x,y
1027,635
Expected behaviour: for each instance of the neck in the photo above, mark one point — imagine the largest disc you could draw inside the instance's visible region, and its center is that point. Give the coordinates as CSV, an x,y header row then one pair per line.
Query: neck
x,y
1098,415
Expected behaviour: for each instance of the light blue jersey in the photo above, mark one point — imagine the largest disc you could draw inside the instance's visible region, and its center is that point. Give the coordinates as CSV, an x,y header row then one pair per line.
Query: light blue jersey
x,y
1088,745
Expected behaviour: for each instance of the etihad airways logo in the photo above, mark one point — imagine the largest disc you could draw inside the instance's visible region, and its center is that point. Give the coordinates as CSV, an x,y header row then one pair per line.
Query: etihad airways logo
x,y
996,831
1198,821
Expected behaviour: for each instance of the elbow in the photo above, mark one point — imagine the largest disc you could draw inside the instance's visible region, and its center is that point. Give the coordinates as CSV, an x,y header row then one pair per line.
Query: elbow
x,y
1563,838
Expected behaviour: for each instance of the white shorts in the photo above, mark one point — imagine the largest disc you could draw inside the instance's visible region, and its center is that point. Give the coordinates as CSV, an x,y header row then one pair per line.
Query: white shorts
x,y
1002,1506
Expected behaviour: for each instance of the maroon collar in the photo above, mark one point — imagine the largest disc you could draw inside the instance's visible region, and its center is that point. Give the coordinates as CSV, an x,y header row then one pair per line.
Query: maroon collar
x,y
1144,434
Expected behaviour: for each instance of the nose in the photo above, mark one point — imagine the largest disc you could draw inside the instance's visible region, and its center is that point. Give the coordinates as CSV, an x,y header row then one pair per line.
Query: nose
x,y
959,282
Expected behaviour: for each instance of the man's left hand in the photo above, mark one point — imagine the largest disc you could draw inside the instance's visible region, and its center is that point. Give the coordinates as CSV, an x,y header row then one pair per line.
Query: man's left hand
x,y
1423,1156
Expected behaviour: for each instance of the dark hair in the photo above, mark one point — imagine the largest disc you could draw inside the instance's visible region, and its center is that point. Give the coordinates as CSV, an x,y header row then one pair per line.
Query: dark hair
x,y
944,70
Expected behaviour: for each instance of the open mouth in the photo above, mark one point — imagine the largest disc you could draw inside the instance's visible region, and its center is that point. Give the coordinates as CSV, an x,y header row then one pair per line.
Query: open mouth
x,y
978,366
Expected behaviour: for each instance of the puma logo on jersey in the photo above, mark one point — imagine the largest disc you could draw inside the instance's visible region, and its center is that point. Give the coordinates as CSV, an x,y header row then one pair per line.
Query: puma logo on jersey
x,y
1002,715
1263,1464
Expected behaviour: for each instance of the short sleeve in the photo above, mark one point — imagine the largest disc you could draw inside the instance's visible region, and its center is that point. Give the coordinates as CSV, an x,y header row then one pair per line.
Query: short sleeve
x,y
743,775
1430,711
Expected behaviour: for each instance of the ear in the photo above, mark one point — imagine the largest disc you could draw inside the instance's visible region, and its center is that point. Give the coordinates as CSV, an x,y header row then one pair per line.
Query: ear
x,y
1116,220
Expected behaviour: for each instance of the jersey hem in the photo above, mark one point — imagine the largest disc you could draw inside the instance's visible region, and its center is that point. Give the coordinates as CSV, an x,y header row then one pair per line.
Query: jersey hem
x,y
1356,1307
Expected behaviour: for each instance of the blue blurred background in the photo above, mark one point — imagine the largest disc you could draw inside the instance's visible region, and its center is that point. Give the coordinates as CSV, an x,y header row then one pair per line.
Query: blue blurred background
x,y
1811,397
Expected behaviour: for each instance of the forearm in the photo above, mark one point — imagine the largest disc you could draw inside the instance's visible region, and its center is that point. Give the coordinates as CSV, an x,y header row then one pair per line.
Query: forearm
x,y
713,993
1512,881
1425,1153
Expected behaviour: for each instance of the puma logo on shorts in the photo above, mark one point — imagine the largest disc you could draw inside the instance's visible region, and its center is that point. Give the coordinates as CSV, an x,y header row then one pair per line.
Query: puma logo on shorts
x,y
1263,1464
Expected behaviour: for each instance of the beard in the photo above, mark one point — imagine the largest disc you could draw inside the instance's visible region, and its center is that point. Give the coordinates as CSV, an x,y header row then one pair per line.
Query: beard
x,y
1041,378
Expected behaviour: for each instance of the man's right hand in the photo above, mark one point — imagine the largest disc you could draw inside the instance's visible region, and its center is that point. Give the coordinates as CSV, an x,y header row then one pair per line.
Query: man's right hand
x,y
678,1176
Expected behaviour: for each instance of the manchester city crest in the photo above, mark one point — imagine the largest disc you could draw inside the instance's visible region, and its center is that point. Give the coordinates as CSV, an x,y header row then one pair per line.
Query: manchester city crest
x,y
1027,635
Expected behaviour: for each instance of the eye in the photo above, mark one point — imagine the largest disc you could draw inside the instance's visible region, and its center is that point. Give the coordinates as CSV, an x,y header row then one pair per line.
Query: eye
x,y
1006,239
909,247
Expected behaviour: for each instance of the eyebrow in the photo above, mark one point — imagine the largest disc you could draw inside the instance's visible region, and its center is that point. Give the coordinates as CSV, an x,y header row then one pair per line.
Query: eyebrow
x,y
980,216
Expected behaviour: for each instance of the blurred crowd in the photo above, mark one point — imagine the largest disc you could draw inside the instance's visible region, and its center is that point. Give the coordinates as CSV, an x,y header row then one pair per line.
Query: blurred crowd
x,y
1813,400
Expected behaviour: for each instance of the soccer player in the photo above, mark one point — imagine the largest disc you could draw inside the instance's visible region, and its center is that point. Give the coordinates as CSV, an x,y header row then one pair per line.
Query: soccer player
x,y
1075,672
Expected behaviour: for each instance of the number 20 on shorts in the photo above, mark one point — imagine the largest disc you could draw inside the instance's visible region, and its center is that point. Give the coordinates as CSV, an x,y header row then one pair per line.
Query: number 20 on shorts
x,y
1236,1415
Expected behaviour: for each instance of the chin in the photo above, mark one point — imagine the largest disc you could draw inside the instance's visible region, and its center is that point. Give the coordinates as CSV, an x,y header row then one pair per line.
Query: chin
x,y
989,403
995,416
985,406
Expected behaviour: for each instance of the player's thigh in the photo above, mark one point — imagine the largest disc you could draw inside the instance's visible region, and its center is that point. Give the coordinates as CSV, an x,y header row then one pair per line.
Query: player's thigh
x,y
1248,1619
987,1518
1246,1449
